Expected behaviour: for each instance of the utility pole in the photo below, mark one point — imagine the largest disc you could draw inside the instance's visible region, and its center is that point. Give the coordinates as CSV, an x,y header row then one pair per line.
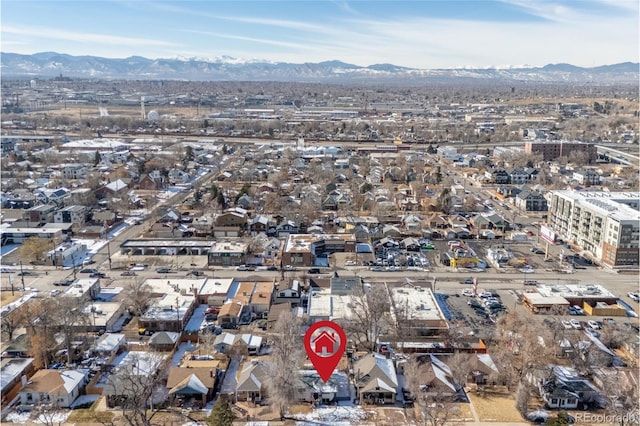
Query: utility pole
x,y
73,260
109,254
22,275
178,311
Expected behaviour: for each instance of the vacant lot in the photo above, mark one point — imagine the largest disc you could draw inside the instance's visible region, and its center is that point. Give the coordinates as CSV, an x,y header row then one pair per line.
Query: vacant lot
x,y
495,407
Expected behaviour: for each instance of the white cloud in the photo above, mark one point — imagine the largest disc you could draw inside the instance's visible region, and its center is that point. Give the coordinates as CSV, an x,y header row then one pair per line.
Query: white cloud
x,y
56,33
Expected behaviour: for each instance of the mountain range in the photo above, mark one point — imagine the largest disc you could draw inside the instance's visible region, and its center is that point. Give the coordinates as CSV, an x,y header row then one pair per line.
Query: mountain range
x,y
51,64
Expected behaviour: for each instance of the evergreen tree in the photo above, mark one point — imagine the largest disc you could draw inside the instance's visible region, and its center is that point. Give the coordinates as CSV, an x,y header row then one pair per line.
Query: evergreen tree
x,y
221,414
97,158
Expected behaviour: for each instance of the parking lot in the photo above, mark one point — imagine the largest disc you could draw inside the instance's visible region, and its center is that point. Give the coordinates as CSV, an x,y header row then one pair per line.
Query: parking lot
x,y
479,313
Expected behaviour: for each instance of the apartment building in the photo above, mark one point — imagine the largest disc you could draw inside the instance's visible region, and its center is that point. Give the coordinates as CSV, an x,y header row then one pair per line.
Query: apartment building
x,y
605,223
553,150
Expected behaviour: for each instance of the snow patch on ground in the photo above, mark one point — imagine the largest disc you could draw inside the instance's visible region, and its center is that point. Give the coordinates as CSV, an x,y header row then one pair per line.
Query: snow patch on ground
x,y
15,417
340,415
48,418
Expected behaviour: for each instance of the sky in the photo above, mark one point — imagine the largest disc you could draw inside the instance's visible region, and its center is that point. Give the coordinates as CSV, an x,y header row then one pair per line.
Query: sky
x,y
419,34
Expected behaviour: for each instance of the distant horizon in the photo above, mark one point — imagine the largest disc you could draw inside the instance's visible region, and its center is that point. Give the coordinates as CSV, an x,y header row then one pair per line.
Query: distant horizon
x,y
428,34
233,60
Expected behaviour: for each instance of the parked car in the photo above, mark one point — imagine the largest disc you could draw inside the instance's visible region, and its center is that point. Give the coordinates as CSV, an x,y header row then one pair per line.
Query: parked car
x,y
128,274
467,281
566,324
196,273
575,324
89,271
163,270
593,324
530,282
634,296
272,268
314,271
98,275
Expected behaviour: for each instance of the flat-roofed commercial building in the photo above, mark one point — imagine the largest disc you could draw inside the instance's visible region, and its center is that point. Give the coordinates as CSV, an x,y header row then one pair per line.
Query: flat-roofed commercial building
x,y
558,298
214,291
166,247
305,249
326,306
605,223
421,313
172,310
228,253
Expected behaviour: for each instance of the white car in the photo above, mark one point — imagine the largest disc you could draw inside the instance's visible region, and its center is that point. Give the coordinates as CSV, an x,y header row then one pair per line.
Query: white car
x,y
634,296
566,324
575,324
350,263
467,292
593,324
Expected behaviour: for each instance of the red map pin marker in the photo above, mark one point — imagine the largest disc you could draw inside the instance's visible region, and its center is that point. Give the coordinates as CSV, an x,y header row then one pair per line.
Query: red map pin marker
x,y
325,342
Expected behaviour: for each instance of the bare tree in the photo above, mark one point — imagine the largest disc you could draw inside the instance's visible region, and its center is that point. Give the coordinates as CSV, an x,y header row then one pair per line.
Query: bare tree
x,y
69,318
436,408
621,395
518,350
370,307
133,386
38,318
287,354
9,324
138,293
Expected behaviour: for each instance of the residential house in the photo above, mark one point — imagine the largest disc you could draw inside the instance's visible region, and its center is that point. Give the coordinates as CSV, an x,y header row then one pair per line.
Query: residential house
x,y
288,291
192,382
498,176
71,214
586,177
251,382
335,200
12,371
531,201
39,215
109,344
116,189
287,227
74,171
436,379
177,176
375,379
261,298
522,175
105,217
260,224
152,181
164,341
562,387
232,219
229,314
225,341
51,196
311,388
57,387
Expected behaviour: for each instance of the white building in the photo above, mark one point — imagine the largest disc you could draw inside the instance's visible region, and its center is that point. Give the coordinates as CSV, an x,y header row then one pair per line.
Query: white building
x,y
605,223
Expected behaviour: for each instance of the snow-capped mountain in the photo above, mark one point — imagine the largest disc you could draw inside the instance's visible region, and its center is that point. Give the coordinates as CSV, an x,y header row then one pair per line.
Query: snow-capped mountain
x,y
48,64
